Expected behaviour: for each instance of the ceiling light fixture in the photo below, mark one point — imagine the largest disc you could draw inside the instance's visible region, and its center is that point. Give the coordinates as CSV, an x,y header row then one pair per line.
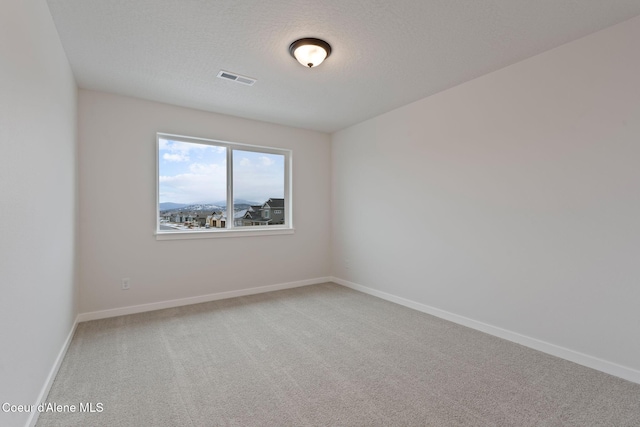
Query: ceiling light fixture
x,y
310,52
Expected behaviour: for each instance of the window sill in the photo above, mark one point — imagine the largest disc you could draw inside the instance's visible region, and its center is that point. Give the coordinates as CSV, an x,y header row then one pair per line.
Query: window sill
x,y
216,234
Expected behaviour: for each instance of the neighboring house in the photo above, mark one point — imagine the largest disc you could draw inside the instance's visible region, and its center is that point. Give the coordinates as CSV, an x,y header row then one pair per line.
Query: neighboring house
x,y
180,218
273,210
238,217
251,214
253,217
217,220
184,218
270,212
201,218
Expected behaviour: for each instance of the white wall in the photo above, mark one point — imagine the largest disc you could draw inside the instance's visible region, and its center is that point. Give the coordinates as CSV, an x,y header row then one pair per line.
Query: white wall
x,y
118,212
513,199
37,201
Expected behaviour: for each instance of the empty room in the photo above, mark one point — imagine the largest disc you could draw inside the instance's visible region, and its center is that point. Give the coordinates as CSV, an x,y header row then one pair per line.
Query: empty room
x,y
331,213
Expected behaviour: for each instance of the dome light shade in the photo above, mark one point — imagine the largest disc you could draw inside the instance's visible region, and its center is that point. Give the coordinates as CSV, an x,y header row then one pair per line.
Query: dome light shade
x,y
310,52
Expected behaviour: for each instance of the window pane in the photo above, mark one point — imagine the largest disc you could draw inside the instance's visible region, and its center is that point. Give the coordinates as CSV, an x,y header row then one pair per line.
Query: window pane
x,y
192,183
258,188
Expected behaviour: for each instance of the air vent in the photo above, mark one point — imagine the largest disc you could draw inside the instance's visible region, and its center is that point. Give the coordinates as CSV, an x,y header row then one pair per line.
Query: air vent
x,y
226,75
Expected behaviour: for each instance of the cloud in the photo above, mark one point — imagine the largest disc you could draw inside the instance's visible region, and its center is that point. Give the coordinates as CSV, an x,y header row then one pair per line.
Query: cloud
x,y
266,161
205,169
194,187
178,151
177,157
220,150
262,161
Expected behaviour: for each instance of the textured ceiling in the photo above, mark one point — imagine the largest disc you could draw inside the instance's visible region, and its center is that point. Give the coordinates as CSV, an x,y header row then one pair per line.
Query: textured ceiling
x,y
385,53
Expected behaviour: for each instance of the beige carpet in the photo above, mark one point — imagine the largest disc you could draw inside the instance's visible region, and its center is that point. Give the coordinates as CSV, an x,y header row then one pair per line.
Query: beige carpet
x,y
321,355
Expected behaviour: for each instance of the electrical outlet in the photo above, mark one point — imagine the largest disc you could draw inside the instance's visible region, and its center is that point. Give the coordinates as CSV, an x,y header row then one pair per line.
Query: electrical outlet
x,y
347,264
126,283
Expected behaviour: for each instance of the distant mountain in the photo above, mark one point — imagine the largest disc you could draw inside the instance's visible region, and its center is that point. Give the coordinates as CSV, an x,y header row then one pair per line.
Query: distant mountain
x,y
181,207
247,202
168,206
193,207
237,202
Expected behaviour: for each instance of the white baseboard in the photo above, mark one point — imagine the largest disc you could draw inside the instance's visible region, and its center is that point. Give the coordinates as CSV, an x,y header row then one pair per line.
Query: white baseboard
x,y
33,418
133,309
611,368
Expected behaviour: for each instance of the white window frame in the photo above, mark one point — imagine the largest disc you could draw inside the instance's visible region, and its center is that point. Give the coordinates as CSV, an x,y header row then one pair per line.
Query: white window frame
x,y
231,229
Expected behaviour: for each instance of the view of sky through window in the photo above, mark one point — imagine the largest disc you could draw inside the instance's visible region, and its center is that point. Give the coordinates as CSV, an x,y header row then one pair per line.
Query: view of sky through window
x,y
191,173
257,177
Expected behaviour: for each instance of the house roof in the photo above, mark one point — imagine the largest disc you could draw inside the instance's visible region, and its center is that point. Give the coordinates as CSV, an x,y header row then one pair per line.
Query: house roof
x,y
256,216
239,214
275,203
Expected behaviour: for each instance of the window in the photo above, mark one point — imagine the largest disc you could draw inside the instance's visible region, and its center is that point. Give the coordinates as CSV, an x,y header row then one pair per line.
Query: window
x,y
202,183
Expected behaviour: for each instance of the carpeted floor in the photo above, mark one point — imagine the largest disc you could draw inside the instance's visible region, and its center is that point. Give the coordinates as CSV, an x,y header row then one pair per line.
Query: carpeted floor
x,y
321,355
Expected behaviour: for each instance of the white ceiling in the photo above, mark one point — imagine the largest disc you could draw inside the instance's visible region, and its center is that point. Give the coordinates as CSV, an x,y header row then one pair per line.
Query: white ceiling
x,y
386,53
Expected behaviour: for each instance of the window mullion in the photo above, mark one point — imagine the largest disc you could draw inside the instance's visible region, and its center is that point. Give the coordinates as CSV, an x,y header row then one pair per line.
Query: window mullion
x,y
230,210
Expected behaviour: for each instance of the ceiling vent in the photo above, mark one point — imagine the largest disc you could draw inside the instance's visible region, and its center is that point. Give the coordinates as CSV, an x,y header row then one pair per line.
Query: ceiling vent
x,y
226,75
